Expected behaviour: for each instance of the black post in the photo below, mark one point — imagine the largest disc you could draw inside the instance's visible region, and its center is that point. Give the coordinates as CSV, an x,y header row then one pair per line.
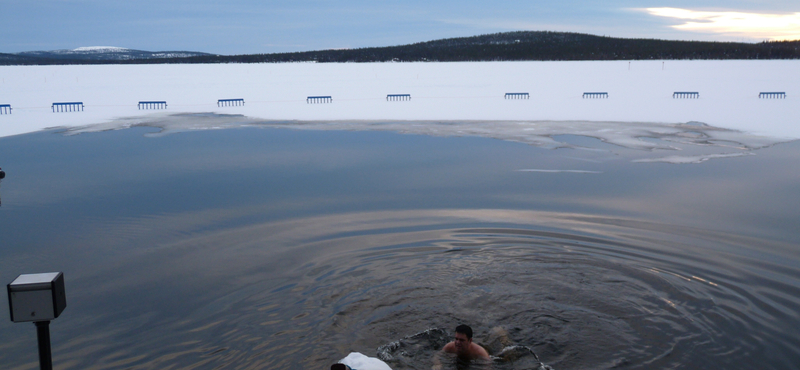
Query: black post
x,y
43,334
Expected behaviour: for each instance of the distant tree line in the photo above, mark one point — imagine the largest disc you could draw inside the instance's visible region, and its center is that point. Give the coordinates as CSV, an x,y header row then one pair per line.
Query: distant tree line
x,y
508,46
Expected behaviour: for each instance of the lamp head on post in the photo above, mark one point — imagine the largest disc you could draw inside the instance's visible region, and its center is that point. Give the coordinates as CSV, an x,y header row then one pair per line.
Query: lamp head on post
x,y
37,297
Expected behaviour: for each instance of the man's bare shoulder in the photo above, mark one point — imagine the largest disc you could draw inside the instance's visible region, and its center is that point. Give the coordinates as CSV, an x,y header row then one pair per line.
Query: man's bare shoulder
x,y
449,347
479,352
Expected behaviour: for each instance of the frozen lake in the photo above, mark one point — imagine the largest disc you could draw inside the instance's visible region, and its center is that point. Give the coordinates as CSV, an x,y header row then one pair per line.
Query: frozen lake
x,y
728,92
285,245
630,227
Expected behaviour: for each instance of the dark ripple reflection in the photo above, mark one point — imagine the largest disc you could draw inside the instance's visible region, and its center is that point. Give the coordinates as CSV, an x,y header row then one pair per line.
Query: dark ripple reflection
x,y
581,291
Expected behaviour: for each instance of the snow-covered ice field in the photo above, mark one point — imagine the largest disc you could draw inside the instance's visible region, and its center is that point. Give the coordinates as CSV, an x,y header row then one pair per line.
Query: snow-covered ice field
x,y
638,91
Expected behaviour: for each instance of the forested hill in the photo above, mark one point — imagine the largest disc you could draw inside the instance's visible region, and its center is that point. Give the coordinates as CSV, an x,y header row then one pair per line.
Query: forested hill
x,y
509,46
517,46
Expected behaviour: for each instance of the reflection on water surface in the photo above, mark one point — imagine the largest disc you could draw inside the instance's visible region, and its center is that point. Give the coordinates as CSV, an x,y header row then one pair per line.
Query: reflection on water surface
x,y
253,248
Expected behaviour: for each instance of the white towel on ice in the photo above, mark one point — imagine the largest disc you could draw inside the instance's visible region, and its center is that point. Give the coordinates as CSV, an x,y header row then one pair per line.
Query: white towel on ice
x,y
357,361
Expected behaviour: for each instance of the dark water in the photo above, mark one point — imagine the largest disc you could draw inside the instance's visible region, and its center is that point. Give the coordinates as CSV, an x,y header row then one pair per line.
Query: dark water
x,y
274,248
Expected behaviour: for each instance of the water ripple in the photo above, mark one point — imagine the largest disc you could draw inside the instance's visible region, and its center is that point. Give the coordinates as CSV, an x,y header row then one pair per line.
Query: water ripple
x,y
591,293
581,291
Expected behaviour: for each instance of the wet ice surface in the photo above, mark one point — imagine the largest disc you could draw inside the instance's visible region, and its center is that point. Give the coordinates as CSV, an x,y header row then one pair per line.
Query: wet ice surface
x,y
650,137
691,159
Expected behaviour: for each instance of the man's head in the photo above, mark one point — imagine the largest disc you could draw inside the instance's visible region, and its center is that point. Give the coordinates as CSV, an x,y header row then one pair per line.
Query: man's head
x,y
463,338
464,329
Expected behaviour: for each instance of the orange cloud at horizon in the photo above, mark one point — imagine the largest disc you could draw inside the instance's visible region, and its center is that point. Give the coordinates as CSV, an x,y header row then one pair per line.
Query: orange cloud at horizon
x,y
740,24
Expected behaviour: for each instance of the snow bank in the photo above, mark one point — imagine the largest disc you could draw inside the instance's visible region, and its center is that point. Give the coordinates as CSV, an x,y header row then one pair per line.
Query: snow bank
x,y
638,91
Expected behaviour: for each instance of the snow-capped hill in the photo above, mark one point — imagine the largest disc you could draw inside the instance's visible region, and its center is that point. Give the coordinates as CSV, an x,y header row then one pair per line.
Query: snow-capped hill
x,y
100,49
107,53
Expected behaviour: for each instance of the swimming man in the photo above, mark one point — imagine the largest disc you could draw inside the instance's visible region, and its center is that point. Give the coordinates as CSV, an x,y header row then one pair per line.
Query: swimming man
x,y
463,347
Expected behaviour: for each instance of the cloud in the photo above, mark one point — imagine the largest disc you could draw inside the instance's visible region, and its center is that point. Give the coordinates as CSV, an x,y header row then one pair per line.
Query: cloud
x,y
740,24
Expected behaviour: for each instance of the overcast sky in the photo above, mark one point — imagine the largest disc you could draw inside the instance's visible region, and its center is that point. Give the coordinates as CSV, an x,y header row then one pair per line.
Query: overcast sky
x,y
269,26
